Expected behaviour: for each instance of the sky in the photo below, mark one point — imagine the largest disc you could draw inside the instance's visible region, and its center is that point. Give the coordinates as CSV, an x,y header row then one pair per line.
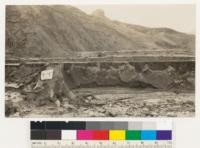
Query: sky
x,y
180,17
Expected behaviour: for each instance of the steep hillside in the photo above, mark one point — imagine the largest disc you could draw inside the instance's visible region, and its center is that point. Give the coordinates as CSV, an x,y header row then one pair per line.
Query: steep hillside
x,y
57,31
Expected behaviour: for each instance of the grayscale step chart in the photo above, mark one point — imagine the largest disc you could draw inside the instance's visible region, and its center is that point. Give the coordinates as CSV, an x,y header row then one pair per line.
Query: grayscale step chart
x,y
138,134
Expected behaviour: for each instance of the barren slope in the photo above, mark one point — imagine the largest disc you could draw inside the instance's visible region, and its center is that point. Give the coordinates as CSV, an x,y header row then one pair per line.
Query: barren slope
x,y
58,31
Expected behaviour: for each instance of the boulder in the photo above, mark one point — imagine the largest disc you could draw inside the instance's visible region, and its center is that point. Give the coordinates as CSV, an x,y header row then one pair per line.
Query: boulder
x,y
127,73
161,79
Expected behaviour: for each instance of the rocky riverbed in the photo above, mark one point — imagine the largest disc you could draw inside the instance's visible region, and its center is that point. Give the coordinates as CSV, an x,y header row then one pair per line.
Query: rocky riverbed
x,y
112,103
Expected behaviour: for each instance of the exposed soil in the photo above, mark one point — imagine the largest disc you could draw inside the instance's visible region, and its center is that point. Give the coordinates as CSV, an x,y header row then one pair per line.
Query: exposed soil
x,y
133,89
60,31
134,103
106,90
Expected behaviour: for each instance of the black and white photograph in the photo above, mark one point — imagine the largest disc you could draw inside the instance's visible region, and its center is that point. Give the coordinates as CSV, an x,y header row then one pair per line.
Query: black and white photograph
x,y
134,60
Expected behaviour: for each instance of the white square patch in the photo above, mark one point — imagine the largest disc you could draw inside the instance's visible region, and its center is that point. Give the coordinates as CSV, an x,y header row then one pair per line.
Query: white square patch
x,y
47,74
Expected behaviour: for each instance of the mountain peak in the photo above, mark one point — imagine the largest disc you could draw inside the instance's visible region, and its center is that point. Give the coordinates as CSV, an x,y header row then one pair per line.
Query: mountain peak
x,y
98,13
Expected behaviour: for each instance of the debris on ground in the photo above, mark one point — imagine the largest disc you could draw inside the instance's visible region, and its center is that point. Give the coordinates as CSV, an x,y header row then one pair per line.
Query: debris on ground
x,y
52,52
57,91
139,104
